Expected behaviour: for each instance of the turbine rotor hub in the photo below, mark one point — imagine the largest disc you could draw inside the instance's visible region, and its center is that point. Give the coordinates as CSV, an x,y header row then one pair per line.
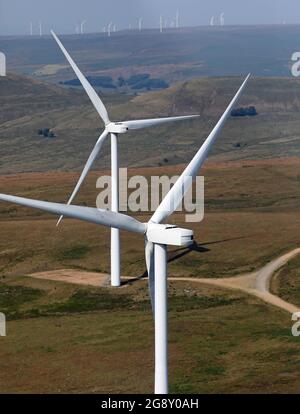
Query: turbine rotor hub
x,y
169,235
117,128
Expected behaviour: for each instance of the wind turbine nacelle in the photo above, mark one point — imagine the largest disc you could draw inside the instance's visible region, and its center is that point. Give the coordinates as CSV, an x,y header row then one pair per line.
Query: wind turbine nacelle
x,y
117,128
169,235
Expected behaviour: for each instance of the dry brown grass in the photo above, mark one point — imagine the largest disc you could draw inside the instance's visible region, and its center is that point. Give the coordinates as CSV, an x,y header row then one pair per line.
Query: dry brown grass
x,y
220,341
252,215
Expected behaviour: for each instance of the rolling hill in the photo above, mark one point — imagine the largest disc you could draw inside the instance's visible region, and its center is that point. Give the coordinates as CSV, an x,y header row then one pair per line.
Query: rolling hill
x,y
28,105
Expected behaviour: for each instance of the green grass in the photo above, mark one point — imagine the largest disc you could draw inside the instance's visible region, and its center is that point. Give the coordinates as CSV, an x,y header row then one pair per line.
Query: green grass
x,y
87,300
12,297
188,302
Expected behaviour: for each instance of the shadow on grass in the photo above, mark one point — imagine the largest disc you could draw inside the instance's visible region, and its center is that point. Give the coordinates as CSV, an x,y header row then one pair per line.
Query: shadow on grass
x,y
179,253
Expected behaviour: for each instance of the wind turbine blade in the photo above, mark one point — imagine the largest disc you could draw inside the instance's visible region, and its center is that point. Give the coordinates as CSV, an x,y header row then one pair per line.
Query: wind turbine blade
x,y
94,97
87,167
149,256
182,185
92,215
145,123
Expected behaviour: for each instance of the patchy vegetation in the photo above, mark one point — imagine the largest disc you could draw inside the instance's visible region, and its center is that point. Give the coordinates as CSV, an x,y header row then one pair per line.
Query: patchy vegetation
x,y
286,284
13,297
72,339
73,252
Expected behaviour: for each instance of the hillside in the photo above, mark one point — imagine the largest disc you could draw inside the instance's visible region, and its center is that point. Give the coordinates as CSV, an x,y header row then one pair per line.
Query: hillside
x,y
174,56
29,105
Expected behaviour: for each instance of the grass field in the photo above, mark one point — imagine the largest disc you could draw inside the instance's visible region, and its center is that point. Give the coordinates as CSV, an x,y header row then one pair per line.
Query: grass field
x,y
245,223
69,339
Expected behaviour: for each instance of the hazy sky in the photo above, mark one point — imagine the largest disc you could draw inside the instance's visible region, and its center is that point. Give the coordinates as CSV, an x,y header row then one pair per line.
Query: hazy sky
x,y
64,15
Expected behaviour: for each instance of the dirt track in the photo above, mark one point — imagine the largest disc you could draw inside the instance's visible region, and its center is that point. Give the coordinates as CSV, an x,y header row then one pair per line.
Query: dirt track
x,y
256,283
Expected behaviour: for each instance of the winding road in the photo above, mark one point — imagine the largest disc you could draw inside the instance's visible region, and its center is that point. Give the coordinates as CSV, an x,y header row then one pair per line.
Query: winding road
x,y
256,283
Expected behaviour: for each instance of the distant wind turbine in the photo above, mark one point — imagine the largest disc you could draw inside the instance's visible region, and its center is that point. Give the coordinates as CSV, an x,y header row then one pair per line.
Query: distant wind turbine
x,y
82,26
140,24
115,129
177,19
161,24
157,238
222,19
31,28
109,29
212,21
40,28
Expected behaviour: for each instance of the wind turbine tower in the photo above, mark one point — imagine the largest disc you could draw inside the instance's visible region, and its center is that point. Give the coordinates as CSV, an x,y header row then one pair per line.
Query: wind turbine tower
x,y
116,130
31,28
40,28
177,19
82,26
212,21
140,24
109,29
161,24
222,19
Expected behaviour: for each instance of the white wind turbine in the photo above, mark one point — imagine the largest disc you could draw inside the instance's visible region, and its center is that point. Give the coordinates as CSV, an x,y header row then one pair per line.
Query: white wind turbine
x,y
161,24
140,24
40,28
115,129
212,21
177,19
31,28
82,24
109,29
157,237
222,19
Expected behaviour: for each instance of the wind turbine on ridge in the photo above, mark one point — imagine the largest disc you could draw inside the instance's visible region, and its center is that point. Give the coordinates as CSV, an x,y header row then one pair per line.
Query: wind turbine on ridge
x,y
157,237
114,129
